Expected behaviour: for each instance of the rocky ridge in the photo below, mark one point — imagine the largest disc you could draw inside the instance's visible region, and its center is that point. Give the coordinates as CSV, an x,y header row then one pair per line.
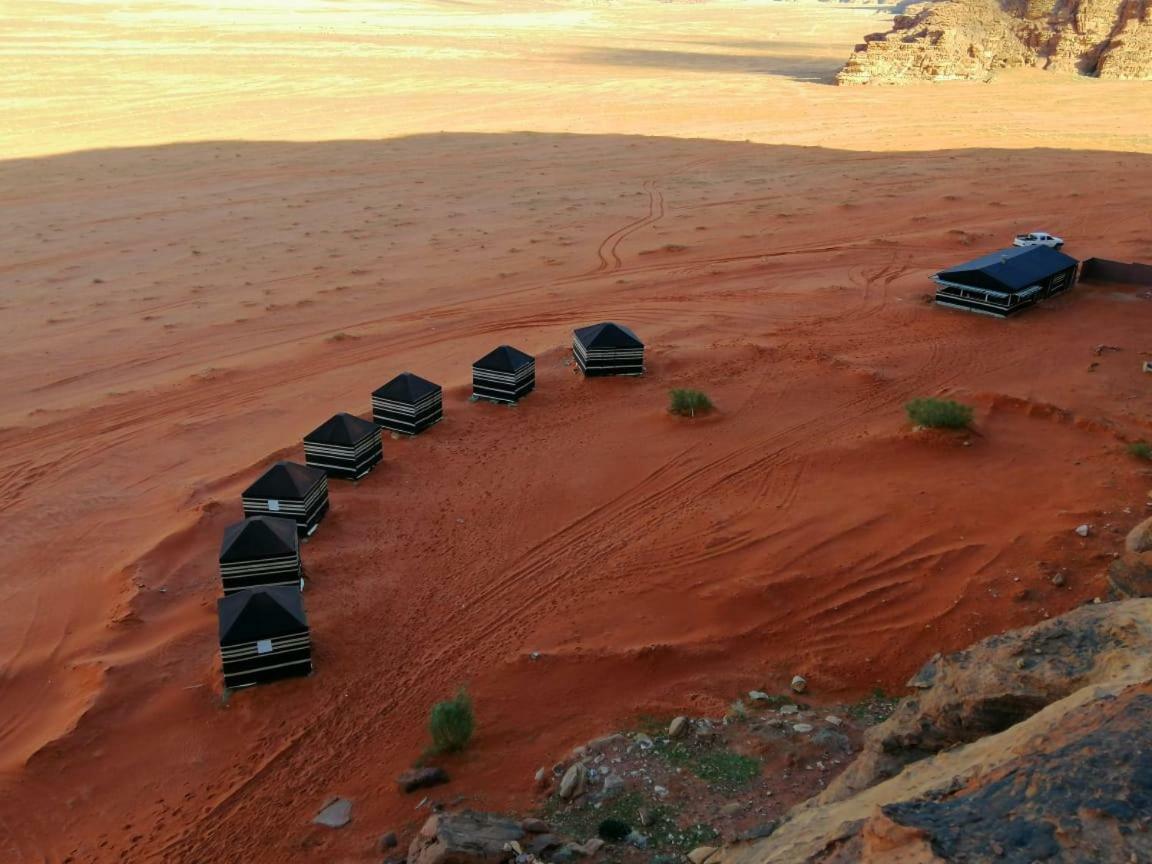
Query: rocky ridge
x,y
1029,746
972,39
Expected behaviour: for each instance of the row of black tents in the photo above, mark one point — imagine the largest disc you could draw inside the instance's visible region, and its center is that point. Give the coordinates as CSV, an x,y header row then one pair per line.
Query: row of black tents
x,y
263,630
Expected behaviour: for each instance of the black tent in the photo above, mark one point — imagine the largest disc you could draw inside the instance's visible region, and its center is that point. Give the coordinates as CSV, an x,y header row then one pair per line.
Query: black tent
x,y
1007,281
407,404
608,349
259,552
344,446
504,375
292,491
263,636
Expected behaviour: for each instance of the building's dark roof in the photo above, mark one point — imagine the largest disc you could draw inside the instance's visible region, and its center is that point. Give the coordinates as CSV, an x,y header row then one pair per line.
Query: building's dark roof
x,y
342,430
259,537
607,335
260,613
407,387
1015,269
285,480
504,359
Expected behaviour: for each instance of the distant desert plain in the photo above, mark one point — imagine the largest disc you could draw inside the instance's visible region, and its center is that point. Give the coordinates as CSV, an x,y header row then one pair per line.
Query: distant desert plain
x,y
225,221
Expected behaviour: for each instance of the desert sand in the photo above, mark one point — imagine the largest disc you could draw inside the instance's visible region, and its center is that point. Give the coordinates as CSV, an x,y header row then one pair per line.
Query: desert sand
x,y
226,221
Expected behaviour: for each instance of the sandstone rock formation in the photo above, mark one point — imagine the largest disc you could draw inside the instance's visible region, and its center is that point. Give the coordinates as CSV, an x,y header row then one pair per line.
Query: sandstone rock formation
x,y
1131,574
465,838
971,39
1063,770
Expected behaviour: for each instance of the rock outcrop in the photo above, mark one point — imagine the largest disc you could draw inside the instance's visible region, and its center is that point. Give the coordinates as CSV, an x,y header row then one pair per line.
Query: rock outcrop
x,y
1131,574
1032,745
971,39
465,838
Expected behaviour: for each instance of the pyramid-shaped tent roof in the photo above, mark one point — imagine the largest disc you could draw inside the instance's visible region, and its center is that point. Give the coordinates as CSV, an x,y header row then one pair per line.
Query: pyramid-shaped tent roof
x,y
260,613
607,335
1012,269
504,359
285,480
407,387
259,537
342,430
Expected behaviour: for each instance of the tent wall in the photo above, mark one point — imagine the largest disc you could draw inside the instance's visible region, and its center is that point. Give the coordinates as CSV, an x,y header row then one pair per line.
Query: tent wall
x,y
260,573
608,361
405,417
307,512
351,462
285,656
504,386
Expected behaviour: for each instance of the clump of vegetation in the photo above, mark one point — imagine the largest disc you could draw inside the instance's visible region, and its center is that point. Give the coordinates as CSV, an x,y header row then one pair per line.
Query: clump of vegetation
x,y
451,723
613,830
1141,450
723,770
661,824
939,413
737,712
688,403
875,709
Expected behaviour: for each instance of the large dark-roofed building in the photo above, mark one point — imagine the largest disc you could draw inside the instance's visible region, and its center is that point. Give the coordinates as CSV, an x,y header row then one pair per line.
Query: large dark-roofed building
x,y
408,404
608,349
263,636
292,491
344,446
1007,281
259,552
504,374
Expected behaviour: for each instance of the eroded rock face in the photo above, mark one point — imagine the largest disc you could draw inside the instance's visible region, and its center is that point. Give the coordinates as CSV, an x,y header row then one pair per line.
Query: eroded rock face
x,y
971,39
1057,764
999,682
465,838
1131,575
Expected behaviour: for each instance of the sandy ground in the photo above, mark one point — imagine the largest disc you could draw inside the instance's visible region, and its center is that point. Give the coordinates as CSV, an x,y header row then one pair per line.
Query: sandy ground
x,y
177,315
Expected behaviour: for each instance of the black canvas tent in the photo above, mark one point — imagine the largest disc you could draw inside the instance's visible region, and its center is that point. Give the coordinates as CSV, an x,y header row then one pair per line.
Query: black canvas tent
x,y
263,636
504,374
259,552
1007,281
344,446
608,349
290,490
407,404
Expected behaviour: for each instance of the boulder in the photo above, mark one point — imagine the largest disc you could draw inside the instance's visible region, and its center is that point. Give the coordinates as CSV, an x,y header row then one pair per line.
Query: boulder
x,y
678,727
465,838
421,778
572,783
335,814
702,853
1131,574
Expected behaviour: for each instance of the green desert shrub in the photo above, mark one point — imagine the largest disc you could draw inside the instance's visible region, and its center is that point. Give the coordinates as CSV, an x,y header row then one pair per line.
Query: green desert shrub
x,y
1141,450
938,413
451,723
688,403
613,830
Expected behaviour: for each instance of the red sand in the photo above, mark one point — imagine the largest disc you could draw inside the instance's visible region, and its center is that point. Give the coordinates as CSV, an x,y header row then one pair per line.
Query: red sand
x,y
175,317
656,564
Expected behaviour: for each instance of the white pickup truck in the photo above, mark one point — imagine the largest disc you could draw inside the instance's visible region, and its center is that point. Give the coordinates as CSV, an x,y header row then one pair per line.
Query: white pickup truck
x,y
1037,238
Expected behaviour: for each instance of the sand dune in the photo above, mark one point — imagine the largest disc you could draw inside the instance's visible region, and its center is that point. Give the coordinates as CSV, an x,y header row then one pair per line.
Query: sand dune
x,y
177,315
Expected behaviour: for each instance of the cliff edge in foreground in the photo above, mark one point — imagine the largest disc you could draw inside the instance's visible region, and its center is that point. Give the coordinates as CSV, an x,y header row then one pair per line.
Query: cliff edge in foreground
x,y
1030,746
971,39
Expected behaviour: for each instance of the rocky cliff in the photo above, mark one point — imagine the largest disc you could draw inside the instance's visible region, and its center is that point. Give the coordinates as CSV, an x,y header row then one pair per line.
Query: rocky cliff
x,y
971,39
1030,746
